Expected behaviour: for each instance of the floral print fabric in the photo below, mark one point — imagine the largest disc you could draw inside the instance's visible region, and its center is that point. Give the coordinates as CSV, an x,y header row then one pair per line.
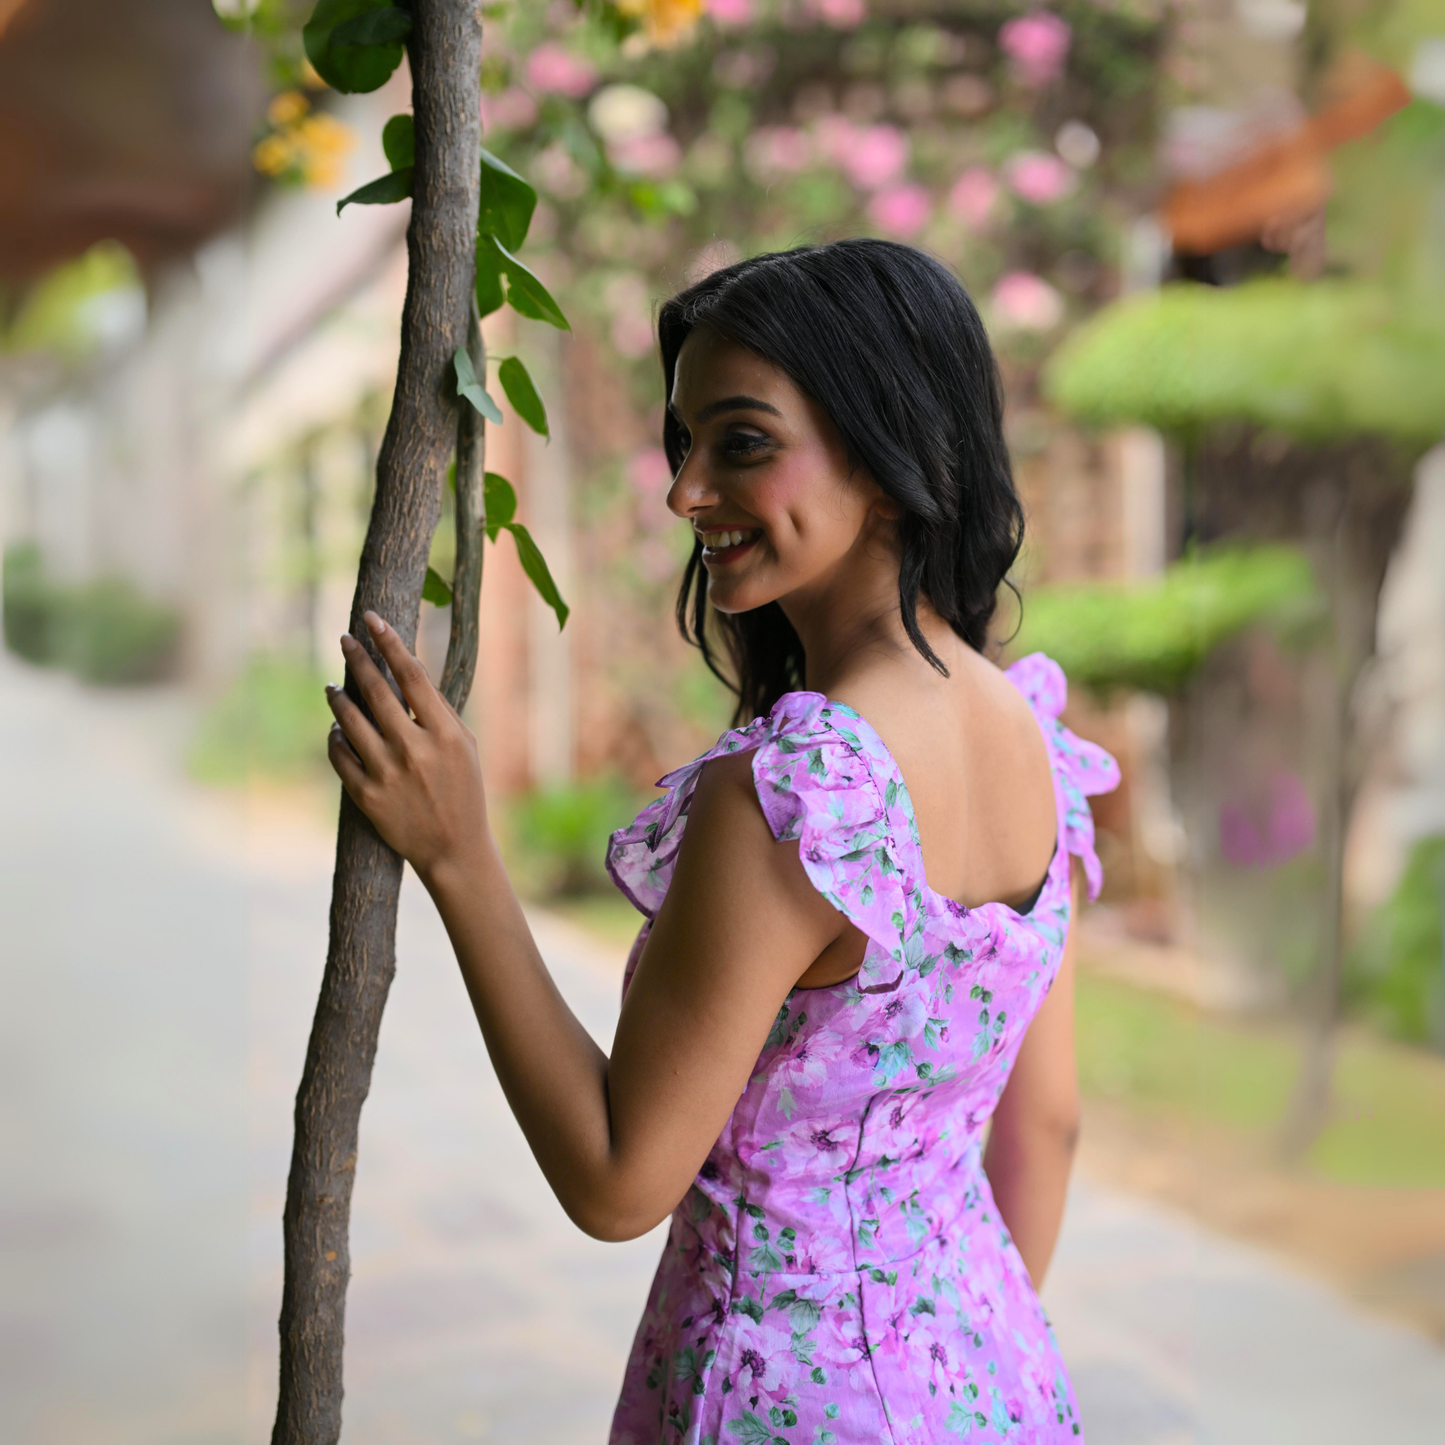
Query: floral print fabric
x,y
839,1273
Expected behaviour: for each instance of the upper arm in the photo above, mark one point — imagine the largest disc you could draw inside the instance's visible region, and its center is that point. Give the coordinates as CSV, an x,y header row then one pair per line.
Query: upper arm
x,y
1042,1093
739,926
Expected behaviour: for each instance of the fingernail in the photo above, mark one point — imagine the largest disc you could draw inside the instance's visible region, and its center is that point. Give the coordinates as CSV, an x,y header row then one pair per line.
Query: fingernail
x,y
330,688
347,640
375,623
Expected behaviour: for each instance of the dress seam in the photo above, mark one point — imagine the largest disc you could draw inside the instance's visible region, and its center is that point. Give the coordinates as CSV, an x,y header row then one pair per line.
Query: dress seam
x,y
859,1269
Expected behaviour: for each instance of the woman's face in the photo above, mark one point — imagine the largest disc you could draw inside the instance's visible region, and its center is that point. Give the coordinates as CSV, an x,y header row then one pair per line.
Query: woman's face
x,y
765,482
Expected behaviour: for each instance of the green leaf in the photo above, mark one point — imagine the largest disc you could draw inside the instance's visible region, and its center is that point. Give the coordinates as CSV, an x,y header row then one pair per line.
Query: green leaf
x,y
435,590
469,387
343,64
375,27
394,186
499,500
490,294
535,566
398,141
526,294
507,203
751,1429
523,395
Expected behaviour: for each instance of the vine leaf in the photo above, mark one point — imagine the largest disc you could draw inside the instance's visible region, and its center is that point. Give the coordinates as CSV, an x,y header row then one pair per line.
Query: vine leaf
x,y
499,501
507,203
394,186
374,27
523,395
346,63
435,590
398,141
526,294
535,566
469,387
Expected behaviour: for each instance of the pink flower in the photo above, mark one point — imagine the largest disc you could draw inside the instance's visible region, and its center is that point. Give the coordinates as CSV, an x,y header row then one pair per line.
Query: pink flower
x,y
758,1352
1037,45
841,14
649,472
1257,832
973,197
731,14
513,109
877,154
632,334
777,150
834,136
1025,302
1039,178
901,210
554,70
654,156
806,1063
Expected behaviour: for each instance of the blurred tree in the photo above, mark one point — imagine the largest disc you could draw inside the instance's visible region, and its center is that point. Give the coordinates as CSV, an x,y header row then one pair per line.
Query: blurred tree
x,y
1299,408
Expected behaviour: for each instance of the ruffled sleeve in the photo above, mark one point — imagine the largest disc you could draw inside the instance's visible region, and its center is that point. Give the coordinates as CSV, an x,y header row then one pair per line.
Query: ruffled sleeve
x,y
641,857
816,783
1083,769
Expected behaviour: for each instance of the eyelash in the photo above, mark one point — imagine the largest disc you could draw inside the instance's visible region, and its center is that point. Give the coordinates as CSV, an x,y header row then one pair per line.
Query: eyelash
x,y
735,446
738,445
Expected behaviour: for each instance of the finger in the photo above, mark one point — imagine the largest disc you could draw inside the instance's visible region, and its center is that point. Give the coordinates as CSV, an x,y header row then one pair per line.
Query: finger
x,y
358,731
347,765
425,701
386,707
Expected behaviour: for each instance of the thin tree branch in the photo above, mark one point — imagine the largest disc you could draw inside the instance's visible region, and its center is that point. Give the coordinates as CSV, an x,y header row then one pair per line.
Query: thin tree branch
x,y
471,513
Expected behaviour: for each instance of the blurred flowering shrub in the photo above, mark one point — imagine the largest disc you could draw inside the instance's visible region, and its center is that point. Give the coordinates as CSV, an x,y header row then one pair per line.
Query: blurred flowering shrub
x,y
301,145
668,133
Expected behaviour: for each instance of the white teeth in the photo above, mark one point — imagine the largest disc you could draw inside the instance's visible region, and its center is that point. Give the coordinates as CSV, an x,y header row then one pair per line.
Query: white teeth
x,y
717,540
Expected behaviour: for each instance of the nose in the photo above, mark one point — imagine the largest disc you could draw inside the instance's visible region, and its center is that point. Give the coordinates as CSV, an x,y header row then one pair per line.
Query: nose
x,y
690,492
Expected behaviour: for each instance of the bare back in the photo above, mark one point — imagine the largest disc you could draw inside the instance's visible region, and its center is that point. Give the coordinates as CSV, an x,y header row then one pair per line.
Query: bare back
x,y
977,769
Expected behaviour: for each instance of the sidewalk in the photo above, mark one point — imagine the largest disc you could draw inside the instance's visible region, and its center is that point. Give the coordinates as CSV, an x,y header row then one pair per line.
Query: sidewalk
x,y
161,968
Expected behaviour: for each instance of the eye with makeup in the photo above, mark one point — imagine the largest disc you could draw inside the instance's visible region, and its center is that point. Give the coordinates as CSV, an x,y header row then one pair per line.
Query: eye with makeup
x,y
737,445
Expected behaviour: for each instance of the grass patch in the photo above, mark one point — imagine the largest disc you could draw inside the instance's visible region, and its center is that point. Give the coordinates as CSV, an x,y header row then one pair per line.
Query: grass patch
x,y
1161,1056
272,723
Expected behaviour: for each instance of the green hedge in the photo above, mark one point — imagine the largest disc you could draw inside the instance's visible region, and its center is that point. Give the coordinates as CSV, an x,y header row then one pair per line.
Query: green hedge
x,y
559,834
106,631
1397,969
272,722
1153,635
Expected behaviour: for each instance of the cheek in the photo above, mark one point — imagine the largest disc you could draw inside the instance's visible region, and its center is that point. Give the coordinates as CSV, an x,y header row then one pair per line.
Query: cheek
x,y
804,502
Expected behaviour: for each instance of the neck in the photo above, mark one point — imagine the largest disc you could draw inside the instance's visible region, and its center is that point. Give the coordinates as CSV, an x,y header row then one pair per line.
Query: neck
x,y
851,617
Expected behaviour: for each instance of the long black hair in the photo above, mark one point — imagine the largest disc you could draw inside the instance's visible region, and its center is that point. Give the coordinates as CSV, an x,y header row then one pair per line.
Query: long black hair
x,y
885,339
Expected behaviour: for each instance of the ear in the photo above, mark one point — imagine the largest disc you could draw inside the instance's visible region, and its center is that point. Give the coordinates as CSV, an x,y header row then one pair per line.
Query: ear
x,y
886,507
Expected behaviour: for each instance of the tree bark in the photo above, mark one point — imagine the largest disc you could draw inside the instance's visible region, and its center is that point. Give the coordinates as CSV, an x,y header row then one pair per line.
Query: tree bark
x,y
445,56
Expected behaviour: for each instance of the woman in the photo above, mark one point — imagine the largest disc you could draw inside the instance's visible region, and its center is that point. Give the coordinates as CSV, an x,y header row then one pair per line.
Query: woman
x,y
816,1027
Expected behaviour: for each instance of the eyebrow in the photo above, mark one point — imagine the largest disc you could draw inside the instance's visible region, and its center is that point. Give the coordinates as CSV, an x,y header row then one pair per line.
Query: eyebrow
x,y
731,403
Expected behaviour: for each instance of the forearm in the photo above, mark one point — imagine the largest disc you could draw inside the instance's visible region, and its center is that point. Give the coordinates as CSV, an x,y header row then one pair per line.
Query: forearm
x,y
1028,1171
552,1071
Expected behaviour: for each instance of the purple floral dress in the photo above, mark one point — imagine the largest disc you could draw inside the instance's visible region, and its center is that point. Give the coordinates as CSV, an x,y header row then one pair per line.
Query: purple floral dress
x,y
838,1273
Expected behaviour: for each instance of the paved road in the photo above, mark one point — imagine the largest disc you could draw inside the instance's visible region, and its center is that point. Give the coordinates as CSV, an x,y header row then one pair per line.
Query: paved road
x,y
160,966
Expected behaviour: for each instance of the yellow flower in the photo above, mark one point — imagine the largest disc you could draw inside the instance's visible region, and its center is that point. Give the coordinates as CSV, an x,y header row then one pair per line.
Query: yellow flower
x,y
666,23
322,141
287,108
274,156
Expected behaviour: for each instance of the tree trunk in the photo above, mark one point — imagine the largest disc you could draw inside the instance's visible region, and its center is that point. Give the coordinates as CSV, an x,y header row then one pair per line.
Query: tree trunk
x,y
445,55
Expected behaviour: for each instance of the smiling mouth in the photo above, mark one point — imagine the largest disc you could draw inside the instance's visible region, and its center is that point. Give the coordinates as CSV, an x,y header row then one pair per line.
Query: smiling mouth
x,y
723,546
